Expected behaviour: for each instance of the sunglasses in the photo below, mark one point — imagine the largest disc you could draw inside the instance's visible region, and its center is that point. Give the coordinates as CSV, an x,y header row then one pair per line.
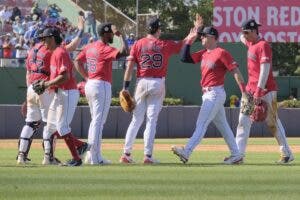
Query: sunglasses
x,y
246,32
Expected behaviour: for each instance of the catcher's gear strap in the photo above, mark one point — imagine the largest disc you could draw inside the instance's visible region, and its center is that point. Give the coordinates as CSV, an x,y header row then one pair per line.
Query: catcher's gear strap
x,y
34,125
50,142
35,52
40,71
25,153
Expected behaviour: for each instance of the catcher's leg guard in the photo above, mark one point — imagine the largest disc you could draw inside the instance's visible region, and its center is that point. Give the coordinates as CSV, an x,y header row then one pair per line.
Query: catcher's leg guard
x,y
25,140
49,149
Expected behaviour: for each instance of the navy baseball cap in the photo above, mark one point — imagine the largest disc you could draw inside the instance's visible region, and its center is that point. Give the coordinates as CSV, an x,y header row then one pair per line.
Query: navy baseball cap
x,y
104,28
49,32
209,30
250,24
154,24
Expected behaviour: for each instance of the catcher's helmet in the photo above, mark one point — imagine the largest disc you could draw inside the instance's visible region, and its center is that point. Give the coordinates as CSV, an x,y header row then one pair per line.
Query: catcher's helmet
x,y
52,31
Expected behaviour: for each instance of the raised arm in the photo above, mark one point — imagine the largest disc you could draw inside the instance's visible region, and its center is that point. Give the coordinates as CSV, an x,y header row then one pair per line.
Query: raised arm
x,y
76,41
185,54
123,50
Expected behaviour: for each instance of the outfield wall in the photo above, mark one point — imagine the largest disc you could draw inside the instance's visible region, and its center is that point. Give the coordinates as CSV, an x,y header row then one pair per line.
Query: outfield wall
x,y
173,122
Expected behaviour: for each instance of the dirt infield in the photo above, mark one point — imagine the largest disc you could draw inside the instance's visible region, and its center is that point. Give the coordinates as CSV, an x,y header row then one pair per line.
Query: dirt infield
x,y
11,144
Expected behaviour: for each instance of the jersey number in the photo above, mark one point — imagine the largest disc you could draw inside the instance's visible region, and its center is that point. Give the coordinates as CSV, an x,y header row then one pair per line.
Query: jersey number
x,y
91,65
151,61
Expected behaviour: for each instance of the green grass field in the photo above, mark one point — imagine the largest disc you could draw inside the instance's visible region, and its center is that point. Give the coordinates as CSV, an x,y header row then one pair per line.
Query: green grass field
x,y
203,178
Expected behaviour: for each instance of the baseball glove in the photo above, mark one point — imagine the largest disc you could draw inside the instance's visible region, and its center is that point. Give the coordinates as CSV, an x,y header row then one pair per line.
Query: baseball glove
x,y
39,86
126,101
260,112
247,104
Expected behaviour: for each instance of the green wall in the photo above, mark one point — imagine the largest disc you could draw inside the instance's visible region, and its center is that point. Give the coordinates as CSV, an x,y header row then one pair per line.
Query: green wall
x,y
182,80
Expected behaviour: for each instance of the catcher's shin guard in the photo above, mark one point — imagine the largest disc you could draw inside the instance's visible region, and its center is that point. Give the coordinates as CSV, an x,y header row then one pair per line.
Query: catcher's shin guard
x,y
24,143
49,146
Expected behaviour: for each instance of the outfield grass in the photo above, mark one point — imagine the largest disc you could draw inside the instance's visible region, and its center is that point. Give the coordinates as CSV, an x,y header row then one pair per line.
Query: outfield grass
x,y
203,178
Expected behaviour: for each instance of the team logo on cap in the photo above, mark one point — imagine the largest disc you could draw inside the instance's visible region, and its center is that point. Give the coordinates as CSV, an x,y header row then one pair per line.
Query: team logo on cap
x,y
252,24
106,29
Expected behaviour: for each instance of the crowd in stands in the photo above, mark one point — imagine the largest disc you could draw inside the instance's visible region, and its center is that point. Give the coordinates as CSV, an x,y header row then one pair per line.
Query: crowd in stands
x,y
18,29
18,32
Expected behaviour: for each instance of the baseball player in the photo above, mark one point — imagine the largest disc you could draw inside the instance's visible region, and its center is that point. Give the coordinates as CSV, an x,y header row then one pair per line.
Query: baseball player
x,y
98,57
261,84
215,62
38,68
151,55
66,96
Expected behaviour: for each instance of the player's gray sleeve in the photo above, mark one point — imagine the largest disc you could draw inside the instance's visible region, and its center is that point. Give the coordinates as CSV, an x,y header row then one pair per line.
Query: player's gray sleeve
x,y
263,75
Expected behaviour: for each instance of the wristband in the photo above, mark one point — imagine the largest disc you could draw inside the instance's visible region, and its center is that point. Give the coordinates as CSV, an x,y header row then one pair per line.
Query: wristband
x,y
126,85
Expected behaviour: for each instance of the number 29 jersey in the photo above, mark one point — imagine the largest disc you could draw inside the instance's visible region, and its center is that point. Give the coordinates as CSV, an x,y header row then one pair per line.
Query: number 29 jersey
x,y
152,56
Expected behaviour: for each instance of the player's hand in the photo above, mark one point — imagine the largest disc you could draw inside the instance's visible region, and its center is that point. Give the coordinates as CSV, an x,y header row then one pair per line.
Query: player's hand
x,y
198,23
192,36
257,100
80,24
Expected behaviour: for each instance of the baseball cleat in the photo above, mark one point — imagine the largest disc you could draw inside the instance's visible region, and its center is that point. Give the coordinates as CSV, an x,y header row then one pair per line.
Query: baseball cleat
x,y
105,162
50,160
73,163
233,160
21,160
285,159
150,160
126,159
82,149
180,152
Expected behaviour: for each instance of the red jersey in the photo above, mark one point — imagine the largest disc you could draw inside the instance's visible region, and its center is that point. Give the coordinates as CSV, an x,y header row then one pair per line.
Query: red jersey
x,y
38,63
60,63
214,65
152,56
258,53
98,57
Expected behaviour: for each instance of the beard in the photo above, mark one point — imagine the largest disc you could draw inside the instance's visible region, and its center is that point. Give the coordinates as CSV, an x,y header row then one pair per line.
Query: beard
x,y
110,40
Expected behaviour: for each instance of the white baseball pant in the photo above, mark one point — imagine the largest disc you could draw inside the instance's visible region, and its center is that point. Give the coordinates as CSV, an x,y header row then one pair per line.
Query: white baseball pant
x,y
60,115
149,96
212,109
273,122
37,109
98,94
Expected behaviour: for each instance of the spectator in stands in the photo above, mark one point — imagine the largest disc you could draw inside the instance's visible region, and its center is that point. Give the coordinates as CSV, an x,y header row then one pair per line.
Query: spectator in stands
x,y
7,47
36,10
5,15
53,11
130,41
18,26
90,23
21,50
16,12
